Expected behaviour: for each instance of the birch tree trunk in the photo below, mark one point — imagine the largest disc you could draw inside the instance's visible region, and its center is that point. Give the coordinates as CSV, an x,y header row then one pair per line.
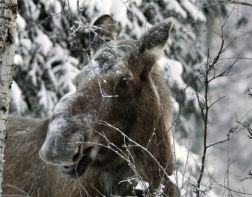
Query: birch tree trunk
x,y
8,10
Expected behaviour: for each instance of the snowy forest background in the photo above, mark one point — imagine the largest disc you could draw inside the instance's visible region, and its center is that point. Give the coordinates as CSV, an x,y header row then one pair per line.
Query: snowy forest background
x,y
51,48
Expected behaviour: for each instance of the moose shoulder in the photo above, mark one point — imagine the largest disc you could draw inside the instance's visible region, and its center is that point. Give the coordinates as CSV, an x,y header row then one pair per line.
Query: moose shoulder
x,y
108,136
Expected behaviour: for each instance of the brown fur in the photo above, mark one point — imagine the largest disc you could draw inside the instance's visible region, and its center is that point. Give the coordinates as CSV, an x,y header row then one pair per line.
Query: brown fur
x,y
96,124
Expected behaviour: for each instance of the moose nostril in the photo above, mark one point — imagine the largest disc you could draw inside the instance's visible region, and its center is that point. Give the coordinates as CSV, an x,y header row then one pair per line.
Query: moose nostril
x,y
67,167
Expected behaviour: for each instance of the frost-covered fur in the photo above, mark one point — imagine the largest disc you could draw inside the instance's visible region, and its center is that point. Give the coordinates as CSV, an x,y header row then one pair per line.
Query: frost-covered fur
x,y
107,136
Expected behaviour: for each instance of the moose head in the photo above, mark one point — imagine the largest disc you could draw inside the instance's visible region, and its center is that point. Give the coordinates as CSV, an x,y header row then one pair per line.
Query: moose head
x,y
120,107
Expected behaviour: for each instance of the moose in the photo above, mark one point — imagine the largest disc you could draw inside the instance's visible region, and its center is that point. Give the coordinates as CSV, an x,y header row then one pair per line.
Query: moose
x,y
109,136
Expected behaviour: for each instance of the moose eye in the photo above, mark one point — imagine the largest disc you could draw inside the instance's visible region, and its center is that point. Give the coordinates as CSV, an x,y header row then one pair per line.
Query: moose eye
x,y
126,88
124,82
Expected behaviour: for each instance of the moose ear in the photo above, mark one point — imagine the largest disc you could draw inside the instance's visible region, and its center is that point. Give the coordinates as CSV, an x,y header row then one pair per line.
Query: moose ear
x,y
152,43
154,40
104,30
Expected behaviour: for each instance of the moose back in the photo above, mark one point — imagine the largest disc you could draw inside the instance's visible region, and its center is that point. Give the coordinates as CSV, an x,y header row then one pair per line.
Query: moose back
x,y
109,136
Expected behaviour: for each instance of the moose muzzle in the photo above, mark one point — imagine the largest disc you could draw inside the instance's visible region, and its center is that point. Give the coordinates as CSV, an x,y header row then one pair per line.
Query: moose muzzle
x,y
56,150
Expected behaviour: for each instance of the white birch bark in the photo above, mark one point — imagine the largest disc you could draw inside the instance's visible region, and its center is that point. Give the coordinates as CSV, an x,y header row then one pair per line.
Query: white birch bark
x,y
8,10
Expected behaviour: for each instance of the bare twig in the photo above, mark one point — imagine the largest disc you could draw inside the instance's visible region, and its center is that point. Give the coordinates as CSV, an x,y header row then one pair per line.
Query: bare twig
x,y
233,190
249,176
205,106
246,125
236,2
229,2
204,111
250,92
212,104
